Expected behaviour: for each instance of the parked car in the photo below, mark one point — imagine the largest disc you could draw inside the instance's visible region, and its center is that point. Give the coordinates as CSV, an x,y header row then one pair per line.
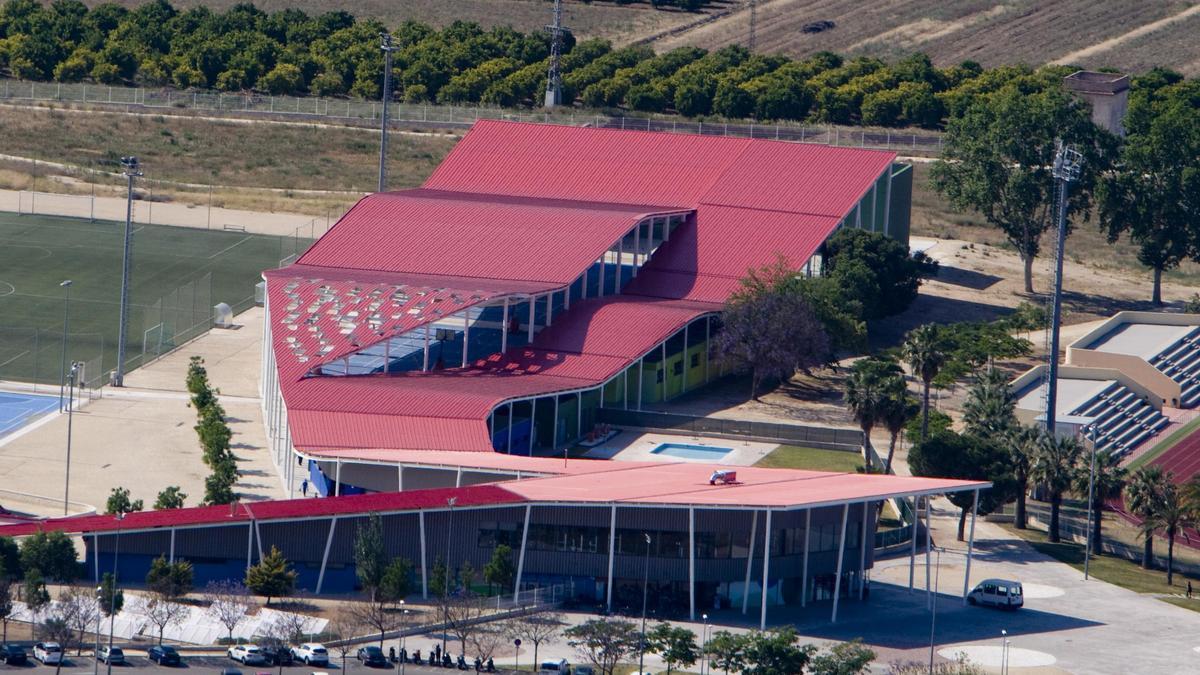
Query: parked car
x,y
277,655
554,666
998,593
371,656
247,655
48,652
310,653
583,670
112,655
13,655
164,655
230,671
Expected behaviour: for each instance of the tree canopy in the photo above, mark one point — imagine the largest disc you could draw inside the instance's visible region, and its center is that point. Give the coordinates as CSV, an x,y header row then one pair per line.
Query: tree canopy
x,y
947,454
272,577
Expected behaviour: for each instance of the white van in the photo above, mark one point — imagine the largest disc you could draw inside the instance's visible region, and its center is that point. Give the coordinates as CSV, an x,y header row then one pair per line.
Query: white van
x,y
554,666
998,593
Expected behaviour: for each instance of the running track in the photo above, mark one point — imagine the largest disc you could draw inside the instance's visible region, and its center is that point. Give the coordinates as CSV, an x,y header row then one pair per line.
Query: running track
x,y
1183,460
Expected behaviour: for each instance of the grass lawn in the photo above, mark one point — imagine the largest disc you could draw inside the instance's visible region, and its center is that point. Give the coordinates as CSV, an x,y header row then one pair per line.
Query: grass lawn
x,y
1119,571
177,275
813,459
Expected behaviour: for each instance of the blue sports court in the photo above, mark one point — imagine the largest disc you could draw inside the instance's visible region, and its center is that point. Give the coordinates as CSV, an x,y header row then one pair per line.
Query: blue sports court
x,y
17,410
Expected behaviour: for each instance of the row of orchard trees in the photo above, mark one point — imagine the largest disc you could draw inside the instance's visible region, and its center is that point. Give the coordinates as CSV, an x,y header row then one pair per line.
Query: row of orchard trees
x,y
333,54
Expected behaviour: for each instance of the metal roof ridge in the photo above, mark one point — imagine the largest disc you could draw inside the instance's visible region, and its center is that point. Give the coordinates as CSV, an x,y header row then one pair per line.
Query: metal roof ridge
x,y
766,210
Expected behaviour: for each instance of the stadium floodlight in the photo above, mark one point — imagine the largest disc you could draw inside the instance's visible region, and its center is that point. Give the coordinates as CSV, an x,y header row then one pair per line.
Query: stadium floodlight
x,y
1068,163
386,46
71,378
132,170
62,372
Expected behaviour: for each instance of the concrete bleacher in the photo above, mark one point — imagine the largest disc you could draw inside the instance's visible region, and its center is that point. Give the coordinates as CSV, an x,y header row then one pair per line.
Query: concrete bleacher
x,y
1181,362
1122,420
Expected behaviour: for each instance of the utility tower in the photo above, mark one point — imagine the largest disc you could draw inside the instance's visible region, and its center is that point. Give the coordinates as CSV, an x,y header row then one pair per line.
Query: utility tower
x,y
386,46
554,77
753,25
1067,163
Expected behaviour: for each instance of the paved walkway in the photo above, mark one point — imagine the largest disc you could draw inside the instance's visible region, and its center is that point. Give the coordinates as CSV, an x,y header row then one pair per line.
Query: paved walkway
x,y
141,437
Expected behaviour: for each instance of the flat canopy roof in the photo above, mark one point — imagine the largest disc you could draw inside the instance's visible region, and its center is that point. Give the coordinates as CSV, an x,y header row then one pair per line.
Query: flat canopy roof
x,y
584,483
1145,340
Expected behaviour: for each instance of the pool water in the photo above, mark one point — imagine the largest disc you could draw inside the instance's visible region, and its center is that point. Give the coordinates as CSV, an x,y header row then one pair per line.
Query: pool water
x,y
687,451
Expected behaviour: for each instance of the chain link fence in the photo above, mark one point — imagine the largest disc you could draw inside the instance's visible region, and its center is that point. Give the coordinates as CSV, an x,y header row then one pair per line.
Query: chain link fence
x,y
347,110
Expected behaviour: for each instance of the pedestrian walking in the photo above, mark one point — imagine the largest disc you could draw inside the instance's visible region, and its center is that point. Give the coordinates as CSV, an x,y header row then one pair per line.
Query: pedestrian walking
x,y
304,487
1189,591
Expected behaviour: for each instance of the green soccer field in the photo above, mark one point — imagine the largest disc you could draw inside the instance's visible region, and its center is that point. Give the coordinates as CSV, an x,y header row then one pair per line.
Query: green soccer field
x,y
177,275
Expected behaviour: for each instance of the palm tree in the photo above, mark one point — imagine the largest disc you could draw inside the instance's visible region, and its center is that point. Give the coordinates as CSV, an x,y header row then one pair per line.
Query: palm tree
x,y
1054,466
871,383
898,409
1108,484
1143,497
925,354
1022,443
1175,512
990,405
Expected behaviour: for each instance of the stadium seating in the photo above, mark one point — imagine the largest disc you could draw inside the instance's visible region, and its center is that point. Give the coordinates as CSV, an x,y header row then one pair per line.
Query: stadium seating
x,y
1122,419
1181,362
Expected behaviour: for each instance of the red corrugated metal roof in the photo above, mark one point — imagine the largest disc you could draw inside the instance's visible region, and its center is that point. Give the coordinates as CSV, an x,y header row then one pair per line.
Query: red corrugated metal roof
x,y
600,482
350,505
443,233
519,203
606,165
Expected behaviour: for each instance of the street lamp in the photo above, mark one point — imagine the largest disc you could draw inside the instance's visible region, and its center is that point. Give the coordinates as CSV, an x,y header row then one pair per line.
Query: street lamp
x,y
112,616
99,616
1003,652
386,46
403,637
75,366
1087,536
645,588
703,644
132,170
450,502
62,371
933,617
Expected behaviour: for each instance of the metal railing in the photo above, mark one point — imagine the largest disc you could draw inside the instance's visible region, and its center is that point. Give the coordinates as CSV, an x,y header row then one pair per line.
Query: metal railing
x,y
431,115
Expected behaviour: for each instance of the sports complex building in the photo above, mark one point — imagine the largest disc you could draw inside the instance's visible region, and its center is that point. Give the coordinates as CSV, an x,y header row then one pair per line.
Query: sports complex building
x,y
428,358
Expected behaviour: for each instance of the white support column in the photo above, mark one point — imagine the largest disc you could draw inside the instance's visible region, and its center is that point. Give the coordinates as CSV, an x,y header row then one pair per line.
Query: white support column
x,y
337,478
874,206
425,362
521,557
458,477
532,426
258,538
612,553
600,287
325,555
620,270
841,544
666,229
707,344
766,577
387,355
928,561
804,566
579,411
554,427
549,308
692,563
862,552
96,555
399,478
749,562
912,549
172,559
858,215
637,248
249,544
970,546
466,335
641,369
504,328
532,316
887,204
508,448
686,362
424,567
664,371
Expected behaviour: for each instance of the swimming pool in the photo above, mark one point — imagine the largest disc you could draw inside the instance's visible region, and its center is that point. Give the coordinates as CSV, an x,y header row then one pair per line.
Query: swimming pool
x,y
688,451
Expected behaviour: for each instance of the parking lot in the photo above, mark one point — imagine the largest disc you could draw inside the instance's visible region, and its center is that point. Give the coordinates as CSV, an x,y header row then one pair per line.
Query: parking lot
x,y
213,663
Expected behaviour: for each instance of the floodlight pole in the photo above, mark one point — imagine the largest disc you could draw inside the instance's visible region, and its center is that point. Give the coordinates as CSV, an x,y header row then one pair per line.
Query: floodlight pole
x,y
1067,163
1087,557
132,171
645,589
70,417
62,371
933,617
553,96
450,502
386,46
